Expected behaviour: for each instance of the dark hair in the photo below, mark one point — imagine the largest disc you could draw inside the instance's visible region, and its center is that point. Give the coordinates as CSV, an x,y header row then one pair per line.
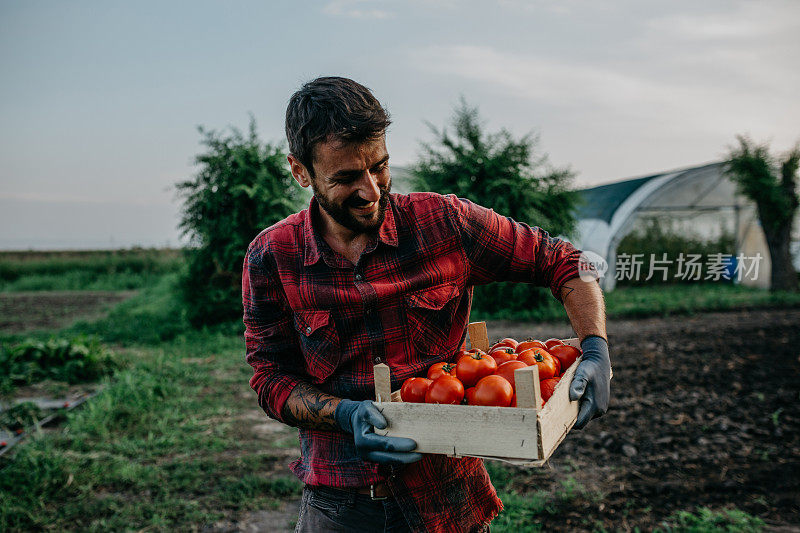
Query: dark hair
x,y
332,107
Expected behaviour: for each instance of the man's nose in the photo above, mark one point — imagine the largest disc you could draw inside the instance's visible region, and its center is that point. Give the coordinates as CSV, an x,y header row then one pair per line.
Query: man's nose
x,y
368,187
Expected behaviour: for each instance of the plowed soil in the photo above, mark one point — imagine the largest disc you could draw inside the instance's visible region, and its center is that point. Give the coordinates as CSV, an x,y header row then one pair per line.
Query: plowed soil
x,y
705,411
25,311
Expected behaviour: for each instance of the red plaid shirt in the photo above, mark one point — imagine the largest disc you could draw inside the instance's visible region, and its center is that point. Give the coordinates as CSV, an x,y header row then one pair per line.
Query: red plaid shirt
x,y
313,316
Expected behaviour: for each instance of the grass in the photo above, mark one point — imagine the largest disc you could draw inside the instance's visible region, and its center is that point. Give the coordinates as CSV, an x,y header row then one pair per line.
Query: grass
x,y
154,315
164,445
523,511
109,270
704,520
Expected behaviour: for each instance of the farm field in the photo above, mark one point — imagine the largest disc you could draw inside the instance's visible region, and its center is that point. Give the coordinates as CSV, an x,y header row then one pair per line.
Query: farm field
x,y
703,432
53,310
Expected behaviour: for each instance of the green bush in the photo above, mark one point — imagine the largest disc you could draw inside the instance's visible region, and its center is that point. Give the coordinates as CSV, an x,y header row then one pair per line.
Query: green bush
x,y
509,175
73,361
242,187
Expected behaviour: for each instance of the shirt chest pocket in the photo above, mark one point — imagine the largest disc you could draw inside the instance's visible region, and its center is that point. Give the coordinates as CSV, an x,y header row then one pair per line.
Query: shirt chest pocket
x,y
319,342
431,314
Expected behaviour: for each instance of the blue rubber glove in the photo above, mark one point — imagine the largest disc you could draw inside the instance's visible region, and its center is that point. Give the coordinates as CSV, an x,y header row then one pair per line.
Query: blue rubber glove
x,y
358,418
592,381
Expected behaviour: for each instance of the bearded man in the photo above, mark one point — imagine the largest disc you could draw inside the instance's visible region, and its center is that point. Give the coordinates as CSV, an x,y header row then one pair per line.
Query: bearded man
x,y
364,276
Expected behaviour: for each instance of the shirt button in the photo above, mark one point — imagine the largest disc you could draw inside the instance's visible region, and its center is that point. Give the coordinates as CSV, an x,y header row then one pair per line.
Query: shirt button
x,y
358,277
308,329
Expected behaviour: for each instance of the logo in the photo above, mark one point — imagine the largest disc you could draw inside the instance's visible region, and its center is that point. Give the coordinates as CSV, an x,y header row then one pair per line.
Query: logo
x,y
591,266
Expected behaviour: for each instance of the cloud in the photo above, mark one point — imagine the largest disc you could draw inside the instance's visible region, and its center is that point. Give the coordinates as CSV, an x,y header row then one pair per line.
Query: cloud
x,y
358,9
742,22
532,77
636,93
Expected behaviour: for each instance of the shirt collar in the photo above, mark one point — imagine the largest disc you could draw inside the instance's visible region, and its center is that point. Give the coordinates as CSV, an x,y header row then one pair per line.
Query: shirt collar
x,y
312,249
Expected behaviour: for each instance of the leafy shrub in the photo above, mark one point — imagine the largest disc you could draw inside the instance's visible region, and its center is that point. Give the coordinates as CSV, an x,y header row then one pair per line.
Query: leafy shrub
x,y
73,361
242,187
508,175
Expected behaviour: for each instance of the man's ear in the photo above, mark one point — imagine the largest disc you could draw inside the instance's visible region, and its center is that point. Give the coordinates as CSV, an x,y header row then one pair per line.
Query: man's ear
x,y
299,171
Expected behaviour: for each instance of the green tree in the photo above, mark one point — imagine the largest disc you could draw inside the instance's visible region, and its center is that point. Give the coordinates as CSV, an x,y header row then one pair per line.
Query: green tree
x,y
242,187
497,171
771,182
503,173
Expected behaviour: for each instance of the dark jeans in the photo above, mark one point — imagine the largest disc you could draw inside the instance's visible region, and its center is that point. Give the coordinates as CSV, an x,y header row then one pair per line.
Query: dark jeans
x,y
330,510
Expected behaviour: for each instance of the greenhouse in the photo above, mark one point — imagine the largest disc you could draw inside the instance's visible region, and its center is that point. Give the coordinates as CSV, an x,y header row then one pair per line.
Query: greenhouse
x,y
701,202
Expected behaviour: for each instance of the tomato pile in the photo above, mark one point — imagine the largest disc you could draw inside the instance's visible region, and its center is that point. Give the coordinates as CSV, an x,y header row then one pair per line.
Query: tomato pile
x,y
481,378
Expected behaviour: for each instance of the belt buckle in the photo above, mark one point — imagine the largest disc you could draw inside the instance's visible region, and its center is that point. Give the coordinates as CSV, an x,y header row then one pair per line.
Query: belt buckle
x,y
372,494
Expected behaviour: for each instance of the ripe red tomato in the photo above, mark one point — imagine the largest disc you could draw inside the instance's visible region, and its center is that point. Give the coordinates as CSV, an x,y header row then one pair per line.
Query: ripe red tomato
x,y
438,369
527,345
566,355
540,357
471,368
505,343
549,343
501,355
445,389
506,370
548,386
469,396
414,390
493,390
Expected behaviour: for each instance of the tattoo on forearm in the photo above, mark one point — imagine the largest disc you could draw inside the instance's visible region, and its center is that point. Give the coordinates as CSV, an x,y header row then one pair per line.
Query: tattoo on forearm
x,y
308,407
566,290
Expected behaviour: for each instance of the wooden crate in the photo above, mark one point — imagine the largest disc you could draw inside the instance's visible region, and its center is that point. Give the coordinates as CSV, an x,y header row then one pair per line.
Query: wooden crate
x,y
525,435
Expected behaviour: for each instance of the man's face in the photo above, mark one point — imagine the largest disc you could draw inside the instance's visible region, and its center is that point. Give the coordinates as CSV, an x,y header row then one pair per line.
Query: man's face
x,y
352,183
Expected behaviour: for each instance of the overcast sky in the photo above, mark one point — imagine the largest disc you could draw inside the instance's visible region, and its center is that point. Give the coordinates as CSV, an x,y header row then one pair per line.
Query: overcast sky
x,y
100,100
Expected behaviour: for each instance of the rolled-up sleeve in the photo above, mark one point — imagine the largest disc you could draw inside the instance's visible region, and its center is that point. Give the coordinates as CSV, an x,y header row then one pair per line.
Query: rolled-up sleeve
x,y
501,249
271,342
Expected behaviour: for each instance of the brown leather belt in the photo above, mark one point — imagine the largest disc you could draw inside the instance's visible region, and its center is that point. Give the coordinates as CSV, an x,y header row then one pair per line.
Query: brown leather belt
x,y
378,491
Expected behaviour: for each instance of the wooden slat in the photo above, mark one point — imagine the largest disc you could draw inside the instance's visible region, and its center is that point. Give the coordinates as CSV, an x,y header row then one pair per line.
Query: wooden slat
x,y
465,429
383,383
574,342
478,336
559,414
526,383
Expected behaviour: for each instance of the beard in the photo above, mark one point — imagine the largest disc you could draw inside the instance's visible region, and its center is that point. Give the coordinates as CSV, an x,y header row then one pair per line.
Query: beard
x,y
358,224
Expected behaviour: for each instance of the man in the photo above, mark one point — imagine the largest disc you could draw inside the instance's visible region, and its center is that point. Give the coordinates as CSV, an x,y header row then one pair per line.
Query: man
x,y
364,277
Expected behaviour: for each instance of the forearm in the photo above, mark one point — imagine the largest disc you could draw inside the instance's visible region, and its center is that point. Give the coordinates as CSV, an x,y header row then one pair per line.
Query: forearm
x,y
308,407
585,307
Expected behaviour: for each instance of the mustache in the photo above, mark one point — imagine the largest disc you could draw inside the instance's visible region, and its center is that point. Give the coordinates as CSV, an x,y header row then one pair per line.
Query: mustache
x,y
357,201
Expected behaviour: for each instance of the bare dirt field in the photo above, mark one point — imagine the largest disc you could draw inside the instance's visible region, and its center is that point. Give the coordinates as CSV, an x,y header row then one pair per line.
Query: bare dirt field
x,y
705,411
25,311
